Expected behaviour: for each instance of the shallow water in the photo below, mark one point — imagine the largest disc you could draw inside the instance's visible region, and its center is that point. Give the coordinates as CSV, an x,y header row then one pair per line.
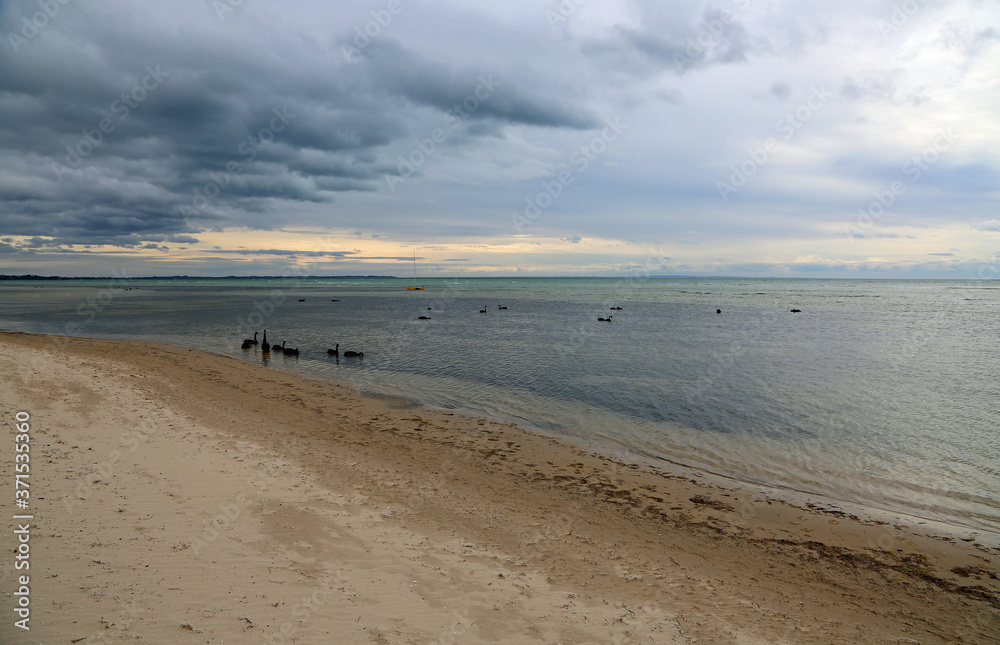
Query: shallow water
x,y
879,392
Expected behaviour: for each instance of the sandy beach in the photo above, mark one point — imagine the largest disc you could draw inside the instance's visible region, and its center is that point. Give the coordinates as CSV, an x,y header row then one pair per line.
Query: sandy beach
x,y
182,497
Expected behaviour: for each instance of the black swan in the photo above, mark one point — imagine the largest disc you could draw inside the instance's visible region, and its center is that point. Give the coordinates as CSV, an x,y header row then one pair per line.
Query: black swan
x,y
335,351
501,307
264,347
250,342
608,319
289,351
246,344
616,309
483,310
353,353
423,317
718,311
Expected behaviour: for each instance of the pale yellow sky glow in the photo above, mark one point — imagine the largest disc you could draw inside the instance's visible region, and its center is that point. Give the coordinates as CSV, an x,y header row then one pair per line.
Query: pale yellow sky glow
x,y
254,252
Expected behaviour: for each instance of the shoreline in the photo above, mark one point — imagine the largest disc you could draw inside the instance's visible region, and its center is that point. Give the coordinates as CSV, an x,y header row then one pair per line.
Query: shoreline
x,y
496,527
798,498
620,452
801,499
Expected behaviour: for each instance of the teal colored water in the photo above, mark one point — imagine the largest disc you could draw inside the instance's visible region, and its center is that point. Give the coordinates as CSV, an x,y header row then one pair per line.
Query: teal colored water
x,y
883,393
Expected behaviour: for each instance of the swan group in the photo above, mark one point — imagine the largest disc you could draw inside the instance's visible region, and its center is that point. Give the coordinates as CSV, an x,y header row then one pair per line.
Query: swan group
x,y
267,348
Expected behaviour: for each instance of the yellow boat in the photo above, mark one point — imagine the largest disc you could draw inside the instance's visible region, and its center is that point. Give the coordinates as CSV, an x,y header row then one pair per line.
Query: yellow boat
x,y
414,274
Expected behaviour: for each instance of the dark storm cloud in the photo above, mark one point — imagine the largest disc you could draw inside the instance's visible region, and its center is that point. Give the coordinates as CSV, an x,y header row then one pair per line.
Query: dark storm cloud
x,y
528,99
120,129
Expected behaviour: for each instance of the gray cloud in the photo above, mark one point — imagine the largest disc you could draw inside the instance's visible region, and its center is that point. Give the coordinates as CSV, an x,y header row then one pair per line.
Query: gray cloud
x,y
679,42
881,88
135,134
147,128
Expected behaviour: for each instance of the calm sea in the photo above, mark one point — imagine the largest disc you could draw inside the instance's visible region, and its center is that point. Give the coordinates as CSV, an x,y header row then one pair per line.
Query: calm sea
x,y
884,393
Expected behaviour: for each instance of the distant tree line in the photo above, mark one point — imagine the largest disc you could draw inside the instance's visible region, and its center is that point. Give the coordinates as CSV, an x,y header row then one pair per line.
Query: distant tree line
x,y
187,277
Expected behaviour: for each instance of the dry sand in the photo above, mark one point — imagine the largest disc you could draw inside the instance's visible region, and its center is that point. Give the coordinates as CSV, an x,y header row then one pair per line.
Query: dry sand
x,y
182,497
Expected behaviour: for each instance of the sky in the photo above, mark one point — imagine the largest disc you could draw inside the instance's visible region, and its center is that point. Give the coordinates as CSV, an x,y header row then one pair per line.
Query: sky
x,y
856,139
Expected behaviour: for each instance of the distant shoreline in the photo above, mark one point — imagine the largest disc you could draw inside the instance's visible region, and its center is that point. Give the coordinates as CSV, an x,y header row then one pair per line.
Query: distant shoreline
x,y
33,277
191,277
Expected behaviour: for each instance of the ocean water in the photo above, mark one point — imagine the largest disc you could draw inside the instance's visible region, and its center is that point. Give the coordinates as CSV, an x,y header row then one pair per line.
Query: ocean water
x,y
882,393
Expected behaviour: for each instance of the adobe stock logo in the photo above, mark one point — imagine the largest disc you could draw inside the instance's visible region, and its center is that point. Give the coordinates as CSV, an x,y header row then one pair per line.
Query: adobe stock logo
x,y
788,127
580,161
121,107
250,148
913,169
427,147
363,35
901,14
39,21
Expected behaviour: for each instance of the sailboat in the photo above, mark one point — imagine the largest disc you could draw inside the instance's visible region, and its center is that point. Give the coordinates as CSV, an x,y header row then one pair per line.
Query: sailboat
x,y
414,288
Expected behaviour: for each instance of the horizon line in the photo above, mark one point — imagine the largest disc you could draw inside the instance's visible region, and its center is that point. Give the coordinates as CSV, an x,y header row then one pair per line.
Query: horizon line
x,y
34,277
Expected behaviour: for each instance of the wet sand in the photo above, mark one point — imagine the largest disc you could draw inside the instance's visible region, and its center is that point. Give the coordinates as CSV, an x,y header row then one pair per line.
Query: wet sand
x,y
183,497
